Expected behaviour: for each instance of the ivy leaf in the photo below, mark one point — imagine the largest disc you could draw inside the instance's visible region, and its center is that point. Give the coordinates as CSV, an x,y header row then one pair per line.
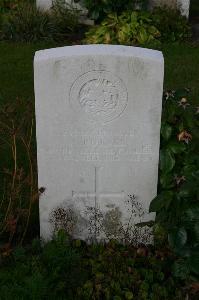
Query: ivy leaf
x,y
192,213
167,161
181,269
194,262
117,298
144,224
95,14
166,131
167,181
184,193
196,230
177,238
129,295
162,200
177,147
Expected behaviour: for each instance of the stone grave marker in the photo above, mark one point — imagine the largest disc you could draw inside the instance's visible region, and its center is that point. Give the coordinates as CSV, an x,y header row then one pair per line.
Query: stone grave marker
x,y
98,115
47,4
182,5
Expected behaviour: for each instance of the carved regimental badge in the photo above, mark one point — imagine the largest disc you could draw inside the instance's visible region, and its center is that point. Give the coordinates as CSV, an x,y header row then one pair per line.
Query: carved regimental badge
x,y
99,95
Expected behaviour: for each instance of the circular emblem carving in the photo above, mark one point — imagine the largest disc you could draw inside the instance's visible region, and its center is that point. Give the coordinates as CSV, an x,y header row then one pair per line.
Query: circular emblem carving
x,y
99,95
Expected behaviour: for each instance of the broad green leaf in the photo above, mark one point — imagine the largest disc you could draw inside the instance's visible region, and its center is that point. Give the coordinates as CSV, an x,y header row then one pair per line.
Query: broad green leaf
x,y
167,181
162,200
184,193
117,298
144,224
129,295
177,147
192,213
177,238
166,131
196,231
134,17
95,15
181,269
142,36
194,262
167,161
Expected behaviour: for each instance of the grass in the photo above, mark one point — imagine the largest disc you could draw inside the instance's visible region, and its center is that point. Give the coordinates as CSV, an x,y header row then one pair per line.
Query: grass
x,y
181,68
16,65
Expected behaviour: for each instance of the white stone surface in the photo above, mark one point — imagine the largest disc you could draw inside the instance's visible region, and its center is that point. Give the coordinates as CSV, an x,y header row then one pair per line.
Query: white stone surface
x,y
169,3
184,6
98,112
46,4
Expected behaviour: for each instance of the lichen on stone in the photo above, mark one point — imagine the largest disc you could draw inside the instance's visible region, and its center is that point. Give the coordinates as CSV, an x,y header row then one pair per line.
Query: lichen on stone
x,y
63,218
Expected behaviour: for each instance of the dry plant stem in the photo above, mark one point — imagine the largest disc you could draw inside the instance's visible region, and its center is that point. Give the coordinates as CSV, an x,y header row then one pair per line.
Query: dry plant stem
x,y
31,132
5,125
1,204
14,153
4,140
3,197
27,146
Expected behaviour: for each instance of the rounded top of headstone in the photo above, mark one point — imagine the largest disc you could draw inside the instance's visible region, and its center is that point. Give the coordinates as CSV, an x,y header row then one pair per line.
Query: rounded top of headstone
x,y
83,50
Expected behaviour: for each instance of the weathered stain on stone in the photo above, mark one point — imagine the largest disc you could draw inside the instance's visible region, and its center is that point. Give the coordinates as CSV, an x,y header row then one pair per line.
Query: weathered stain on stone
x,y
63,218
112,223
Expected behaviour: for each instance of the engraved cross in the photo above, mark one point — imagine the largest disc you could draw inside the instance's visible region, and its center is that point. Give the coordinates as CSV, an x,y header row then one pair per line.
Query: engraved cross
x,y
97,195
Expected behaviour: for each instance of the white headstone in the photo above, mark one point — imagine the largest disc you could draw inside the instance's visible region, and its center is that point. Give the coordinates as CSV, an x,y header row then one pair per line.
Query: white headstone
x,y
98,115
44,4
47,4
184,6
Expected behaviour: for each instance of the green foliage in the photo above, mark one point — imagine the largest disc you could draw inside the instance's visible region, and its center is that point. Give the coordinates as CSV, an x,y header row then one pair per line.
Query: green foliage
x,y
98,9
29,23
129,28
63,20
123,272
40,272
7,5
172,25
140,28
177,203
26,23
66,269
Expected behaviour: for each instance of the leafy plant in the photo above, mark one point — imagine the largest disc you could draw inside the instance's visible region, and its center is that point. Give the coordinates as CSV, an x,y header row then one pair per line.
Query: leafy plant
x,y
29,23
129,28
6,5
98,9
63,19
41,271
172,25
26,23
140,28
66,269
177,203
